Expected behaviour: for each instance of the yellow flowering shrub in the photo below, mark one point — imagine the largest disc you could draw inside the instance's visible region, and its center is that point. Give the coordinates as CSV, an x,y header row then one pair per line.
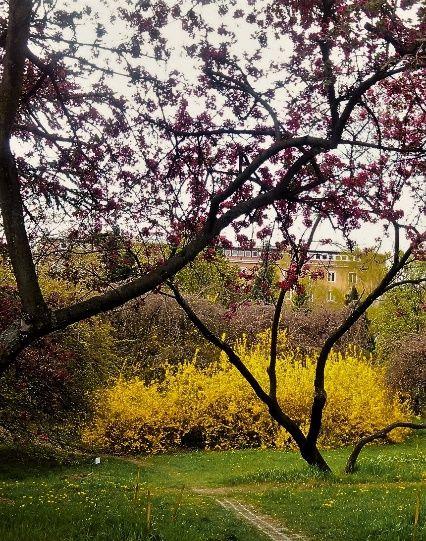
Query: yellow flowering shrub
x,y
214,408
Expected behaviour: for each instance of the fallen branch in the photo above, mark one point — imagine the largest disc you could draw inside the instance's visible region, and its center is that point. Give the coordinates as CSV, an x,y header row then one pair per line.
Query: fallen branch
x,y
351,463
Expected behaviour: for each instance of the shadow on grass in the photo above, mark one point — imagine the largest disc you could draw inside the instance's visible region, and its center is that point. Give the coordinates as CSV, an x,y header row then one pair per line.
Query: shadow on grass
x,y
19,462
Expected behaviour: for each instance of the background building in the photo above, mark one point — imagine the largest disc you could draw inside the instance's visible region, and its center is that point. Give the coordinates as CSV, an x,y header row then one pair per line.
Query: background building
x,y
340,275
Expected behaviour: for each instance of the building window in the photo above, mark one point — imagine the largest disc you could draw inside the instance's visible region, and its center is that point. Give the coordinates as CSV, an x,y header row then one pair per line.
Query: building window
x,y
331,277
255,253
318,256
344,258
337,257
324,256
248,253
352,277
227,253
234,253
330,296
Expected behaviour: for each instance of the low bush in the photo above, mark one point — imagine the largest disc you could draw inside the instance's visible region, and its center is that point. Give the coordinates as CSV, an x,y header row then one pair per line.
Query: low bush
x,y
406,371
155,331
213,407
44,396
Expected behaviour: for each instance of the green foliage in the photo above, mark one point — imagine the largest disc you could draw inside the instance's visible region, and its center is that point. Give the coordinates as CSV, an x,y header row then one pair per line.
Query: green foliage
x,y
213,279
351,296
267,276
399,313
398,324
46,397
44,403
302,299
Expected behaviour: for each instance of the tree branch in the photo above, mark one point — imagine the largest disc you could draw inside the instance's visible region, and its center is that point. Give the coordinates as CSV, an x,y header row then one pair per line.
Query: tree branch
x,y
316,144
378,146
277,314
273,407
357,94
248,89
380,434
220,344
43,134
387,36
272,372
416,282
320,395
223,131
330,79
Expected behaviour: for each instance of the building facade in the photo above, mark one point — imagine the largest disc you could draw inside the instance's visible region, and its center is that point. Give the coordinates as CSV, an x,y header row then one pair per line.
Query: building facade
x,y
339,274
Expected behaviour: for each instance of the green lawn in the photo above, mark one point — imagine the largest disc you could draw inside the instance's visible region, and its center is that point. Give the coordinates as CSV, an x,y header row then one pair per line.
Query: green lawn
x,y
154,500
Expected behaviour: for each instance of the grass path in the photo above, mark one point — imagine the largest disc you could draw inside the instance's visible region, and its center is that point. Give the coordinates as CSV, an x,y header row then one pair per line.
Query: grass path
x,y
379,502
274,530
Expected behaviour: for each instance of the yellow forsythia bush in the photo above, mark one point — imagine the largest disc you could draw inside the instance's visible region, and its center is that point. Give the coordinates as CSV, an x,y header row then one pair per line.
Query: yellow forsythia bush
x,y
215,408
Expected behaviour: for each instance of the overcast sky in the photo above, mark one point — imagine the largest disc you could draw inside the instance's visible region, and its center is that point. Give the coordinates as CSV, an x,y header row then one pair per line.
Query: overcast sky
x,y
368,235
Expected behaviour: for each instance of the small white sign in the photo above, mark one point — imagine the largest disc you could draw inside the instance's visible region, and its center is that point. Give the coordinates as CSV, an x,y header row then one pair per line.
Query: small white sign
x,y
98,460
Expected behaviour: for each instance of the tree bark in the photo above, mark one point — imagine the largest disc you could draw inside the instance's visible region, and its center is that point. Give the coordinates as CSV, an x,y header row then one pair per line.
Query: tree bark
x,y
351,463
34,308
314,458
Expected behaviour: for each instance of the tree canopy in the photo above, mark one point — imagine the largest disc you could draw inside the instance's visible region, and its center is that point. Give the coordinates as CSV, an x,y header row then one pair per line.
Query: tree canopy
x,y
165,123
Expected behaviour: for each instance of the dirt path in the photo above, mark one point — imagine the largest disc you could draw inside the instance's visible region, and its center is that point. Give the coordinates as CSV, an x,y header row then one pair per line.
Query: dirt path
x,y
264,523
268,526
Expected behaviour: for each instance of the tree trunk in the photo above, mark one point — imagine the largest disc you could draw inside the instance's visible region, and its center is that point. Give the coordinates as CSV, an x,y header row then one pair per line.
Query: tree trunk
x,y
314,458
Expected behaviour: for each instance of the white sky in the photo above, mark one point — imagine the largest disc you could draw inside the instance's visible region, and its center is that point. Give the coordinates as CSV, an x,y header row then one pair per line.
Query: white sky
x,y
364,237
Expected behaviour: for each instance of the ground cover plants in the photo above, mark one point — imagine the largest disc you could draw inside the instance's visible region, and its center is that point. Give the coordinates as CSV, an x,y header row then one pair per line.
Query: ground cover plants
x,y
158,497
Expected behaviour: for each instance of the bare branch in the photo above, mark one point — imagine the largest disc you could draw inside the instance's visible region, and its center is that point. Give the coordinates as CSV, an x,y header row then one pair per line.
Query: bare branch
x,y
260,132
380,434
248,89
43,134
387,36
272,372
415,282
274,409
378,146
277,315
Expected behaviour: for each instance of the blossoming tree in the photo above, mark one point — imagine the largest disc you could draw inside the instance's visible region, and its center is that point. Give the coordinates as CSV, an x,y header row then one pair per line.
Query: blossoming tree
x,y
175,121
